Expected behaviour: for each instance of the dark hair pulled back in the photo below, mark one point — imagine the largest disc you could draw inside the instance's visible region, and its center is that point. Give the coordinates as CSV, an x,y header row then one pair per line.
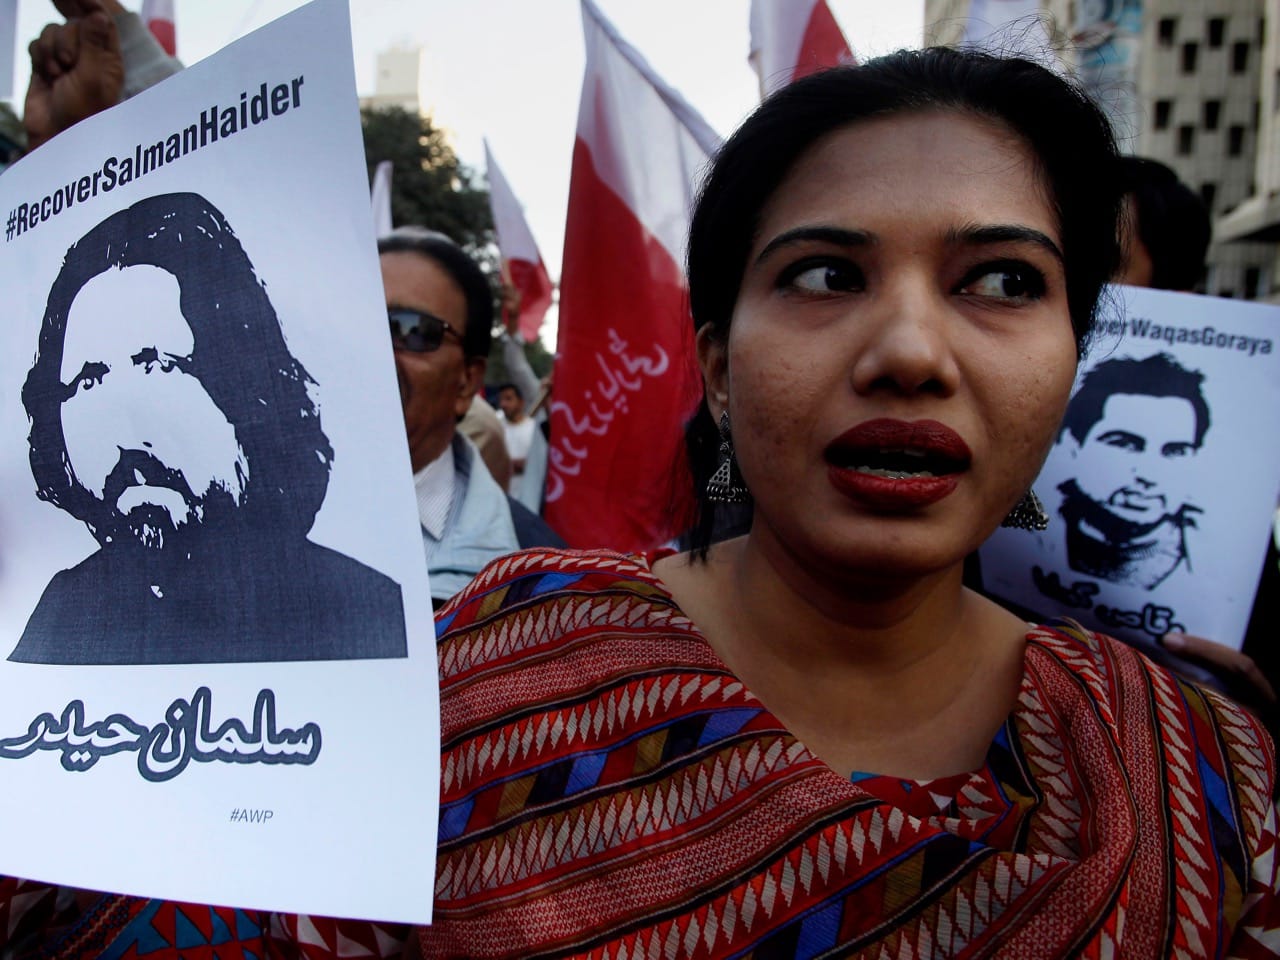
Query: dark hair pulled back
x,y
1069,136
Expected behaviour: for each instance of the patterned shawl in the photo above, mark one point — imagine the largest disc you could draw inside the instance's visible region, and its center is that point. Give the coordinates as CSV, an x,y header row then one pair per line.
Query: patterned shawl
x,y
610,789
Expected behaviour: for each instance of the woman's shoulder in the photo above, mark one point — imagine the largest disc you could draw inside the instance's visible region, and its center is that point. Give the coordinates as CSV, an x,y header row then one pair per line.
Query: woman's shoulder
x,y
1112,669
542,602
541,575
1194,727
553,649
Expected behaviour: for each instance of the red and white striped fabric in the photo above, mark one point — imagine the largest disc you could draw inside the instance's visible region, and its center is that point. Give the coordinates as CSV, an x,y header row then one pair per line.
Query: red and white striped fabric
x,y
158,16
791,39
625,376
521,262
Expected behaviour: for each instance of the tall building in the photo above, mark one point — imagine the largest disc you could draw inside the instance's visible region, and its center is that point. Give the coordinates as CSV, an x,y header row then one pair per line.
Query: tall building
x,y
399,80
1258,217
1183,84
944,22
1199,83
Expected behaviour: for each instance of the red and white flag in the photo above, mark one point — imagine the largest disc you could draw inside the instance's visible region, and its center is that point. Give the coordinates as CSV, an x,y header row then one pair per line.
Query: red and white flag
x,y
522,265
791,39
626,379
158,16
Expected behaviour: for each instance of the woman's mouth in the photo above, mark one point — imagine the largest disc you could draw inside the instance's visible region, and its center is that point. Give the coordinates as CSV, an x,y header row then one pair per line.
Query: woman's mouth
x,y
896,464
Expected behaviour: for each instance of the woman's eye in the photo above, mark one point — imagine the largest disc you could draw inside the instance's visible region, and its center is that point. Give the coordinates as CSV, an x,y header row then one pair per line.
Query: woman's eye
x,y
822,277
1005,282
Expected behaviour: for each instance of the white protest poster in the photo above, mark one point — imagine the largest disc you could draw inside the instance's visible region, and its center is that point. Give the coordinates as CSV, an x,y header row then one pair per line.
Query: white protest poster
x,y
1162,482
216,646
8,35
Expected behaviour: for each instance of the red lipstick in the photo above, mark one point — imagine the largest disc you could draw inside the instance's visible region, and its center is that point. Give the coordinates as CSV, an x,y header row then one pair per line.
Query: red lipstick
x,y
897,465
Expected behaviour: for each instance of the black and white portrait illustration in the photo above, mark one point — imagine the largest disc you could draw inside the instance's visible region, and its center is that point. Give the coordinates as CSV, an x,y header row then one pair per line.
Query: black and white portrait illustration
x,y
1130,432
1161,483
168,416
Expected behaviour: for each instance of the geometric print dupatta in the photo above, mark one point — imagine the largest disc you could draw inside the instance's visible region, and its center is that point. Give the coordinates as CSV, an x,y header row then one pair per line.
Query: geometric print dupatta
x,y
610,789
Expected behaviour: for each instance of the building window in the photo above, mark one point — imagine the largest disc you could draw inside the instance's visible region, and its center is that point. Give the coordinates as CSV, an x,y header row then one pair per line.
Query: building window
x,y
1186,140
1166,28
1240,56
1208,193
1217,28
1252,280
1235,140
1164,111
1189,52
1212,111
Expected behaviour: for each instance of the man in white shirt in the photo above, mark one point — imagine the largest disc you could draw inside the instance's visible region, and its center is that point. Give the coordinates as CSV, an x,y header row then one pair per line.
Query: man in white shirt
x,y
440,307
516,426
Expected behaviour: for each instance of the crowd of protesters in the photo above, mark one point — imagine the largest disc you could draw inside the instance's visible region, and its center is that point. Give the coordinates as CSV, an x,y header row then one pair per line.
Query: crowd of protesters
x,y
800,734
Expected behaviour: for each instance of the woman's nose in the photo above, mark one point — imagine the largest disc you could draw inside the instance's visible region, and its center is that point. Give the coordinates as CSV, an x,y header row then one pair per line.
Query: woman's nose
x,y
905,342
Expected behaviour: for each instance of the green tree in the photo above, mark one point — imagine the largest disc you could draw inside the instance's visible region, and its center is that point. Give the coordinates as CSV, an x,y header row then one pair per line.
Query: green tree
x,y
430,186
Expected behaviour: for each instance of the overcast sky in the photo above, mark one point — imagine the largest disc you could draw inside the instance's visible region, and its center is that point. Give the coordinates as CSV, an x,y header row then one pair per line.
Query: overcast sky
x,y
511,70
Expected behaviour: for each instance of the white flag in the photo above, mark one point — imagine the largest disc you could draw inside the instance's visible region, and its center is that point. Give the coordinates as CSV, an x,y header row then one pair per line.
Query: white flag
x,y
380,197
8,32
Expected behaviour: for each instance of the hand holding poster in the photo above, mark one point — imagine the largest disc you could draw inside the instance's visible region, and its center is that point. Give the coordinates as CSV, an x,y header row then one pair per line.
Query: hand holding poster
x,y
1163,479
214,611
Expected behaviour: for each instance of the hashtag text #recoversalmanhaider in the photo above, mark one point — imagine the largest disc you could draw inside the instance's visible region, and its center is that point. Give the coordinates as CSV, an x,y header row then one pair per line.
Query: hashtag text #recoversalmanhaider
x,y
215,123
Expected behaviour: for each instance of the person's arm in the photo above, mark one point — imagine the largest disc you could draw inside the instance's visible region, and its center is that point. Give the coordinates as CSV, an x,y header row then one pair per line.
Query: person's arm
x,y
102,55
145,61
1257,931
76,69
518,368
1248,682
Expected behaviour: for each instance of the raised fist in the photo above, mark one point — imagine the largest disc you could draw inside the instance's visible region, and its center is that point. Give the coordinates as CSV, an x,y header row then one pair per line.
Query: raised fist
x,y
76,70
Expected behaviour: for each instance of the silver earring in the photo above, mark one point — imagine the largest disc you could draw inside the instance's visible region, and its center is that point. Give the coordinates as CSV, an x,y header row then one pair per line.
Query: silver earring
x,y
1027,514
725,485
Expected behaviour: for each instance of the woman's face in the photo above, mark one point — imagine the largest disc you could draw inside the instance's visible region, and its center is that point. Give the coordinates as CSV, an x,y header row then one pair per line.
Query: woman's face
x,y
901,350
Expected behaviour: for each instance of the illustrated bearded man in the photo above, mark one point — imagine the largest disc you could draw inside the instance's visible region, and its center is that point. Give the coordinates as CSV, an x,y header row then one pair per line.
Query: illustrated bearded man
x,y
1131,428
169,417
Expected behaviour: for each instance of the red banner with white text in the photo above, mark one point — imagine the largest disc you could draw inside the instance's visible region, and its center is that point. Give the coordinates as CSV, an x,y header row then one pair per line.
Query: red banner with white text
x,y
626,379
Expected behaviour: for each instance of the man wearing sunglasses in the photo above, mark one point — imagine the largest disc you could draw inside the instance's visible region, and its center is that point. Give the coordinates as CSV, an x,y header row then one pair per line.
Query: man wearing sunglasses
x,y
440,307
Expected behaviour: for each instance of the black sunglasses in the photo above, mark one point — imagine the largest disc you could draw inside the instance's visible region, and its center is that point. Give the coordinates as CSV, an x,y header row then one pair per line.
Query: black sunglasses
x,y
417,331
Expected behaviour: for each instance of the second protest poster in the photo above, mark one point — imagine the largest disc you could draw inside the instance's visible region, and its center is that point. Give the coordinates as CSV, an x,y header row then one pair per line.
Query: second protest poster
x,y
1163,479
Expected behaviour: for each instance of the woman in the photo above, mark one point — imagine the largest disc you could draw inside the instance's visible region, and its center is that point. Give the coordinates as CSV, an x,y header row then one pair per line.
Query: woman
x,y
811,740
